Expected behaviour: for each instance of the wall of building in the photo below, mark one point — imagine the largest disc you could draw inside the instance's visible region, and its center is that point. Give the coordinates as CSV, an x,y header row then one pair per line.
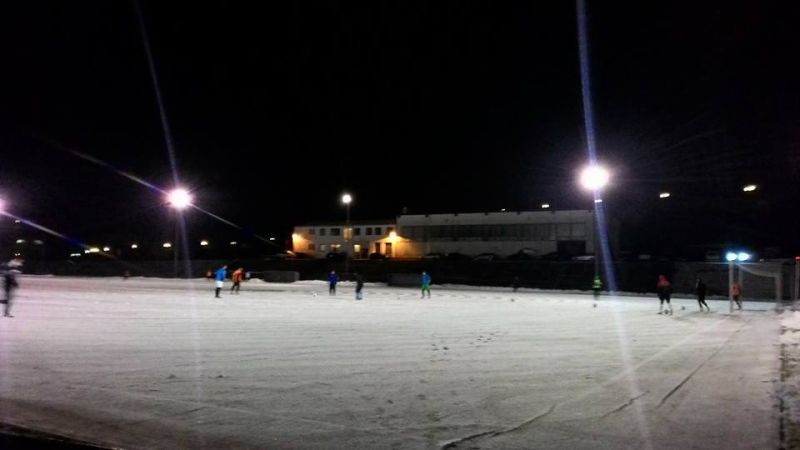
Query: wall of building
x,y
359,239
503,233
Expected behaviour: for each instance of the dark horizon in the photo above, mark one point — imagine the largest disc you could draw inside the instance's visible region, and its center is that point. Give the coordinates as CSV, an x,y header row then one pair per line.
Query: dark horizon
x,y
447,107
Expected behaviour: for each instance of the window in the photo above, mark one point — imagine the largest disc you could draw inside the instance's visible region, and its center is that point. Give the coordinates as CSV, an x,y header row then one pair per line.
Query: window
x,y
578,230
562,231
335,247
357,231
377,230
312,231
311,247
322,231
323,247
336,231
369,231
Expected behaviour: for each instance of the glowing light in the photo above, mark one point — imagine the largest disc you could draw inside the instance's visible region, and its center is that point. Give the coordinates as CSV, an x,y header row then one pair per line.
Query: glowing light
x,y
295,236
346,199
204,243
94,250
594,178
179,198
74,255
272,239
750,188
166,245
502,210
38,242
664,195
17,254
730,256
545,205
743,256
16,221
134,246
598,200
20,241
106,249
393,236
234,243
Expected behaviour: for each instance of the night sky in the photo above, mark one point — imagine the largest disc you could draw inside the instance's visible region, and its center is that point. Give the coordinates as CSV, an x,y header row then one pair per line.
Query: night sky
x,y
430,106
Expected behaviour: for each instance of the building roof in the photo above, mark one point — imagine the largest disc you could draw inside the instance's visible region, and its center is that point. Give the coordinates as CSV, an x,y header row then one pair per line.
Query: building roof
x,y
341,223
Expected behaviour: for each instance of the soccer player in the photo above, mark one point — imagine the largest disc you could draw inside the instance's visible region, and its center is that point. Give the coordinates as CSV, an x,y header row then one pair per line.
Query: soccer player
x,y
219,278
664,290
236,277
700,289
426,285
332,280
736,293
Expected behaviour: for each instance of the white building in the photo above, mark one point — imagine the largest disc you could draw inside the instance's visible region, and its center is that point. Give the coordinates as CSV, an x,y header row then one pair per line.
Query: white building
x,y
360,239
414,235
503,233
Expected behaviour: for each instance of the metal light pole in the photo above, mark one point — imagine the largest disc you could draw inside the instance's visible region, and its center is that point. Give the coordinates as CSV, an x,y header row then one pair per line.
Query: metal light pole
x,y
178,199
346,199
594,178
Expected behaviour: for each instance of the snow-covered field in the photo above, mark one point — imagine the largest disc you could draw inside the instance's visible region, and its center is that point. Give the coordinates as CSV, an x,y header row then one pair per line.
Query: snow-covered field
x,y
150,363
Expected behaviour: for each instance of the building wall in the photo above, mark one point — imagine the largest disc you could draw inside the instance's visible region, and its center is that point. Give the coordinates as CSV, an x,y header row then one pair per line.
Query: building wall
x,y
319,240
503,233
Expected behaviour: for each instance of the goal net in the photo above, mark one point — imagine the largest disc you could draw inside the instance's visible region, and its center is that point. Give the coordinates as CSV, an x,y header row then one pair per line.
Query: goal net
x,y
759,280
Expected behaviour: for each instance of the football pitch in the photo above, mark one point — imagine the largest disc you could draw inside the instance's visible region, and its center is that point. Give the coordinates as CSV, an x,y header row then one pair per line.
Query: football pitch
x,y
156,363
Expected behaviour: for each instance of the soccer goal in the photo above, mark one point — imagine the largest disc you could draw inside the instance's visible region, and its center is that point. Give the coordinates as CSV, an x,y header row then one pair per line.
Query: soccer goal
x,y
757,280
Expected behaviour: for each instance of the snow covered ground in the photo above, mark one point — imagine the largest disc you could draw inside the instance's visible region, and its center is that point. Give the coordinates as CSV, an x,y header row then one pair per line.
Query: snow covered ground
x,y
151,363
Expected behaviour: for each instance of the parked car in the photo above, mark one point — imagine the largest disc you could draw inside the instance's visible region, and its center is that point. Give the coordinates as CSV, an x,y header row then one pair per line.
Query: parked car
x,y
377,256
486,257
433,256
525,254
335,256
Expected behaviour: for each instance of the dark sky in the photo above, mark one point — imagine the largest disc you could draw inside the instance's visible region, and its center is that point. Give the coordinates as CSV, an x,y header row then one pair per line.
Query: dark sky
x,y
434,106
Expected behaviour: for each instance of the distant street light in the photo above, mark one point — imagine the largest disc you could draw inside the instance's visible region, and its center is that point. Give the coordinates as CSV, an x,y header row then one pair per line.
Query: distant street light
x,y
664,195
545,205
166,245
347,199
134,246
204,243
750,188
106,249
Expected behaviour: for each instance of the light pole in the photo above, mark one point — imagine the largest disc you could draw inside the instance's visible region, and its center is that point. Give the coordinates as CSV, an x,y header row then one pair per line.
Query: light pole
x,y
178,199
347,199
594,178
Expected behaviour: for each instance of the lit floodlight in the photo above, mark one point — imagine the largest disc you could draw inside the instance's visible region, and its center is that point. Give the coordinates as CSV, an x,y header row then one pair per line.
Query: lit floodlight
x,y
750,188
106,249
20,241
295,236
545,205
664,195
234,243
502,210
204,243
594,178
179,198
743,256
94,250
271,238
74,255
167,245
346,199
134,246
730,256
598,200
393,236
3,208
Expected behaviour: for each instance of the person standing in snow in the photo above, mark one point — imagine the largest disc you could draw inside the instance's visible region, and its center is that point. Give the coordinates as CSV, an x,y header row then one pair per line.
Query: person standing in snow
x,y
736,293
426,284
700,290
219,279
236,277
664,290
332,280
10,271
359,286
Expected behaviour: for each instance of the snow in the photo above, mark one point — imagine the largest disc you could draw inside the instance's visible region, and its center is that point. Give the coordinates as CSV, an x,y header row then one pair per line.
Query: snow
x,y
144,363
